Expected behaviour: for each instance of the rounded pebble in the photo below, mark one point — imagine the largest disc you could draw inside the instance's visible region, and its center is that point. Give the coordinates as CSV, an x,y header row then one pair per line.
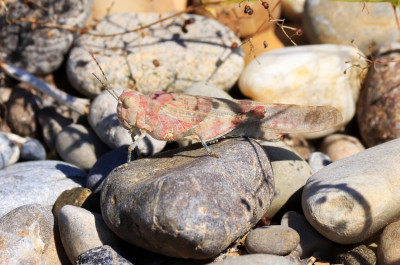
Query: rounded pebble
x,y
345,201
338,146
389,245
9,151
165,200
103,255
32,149
36,182
318,160
203,53
260,259
358,255
274,239
81,230
75,197
307,75
367,24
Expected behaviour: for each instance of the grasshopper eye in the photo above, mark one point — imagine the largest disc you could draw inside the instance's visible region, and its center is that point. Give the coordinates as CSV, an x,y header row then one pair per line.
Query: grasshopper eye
x,y
128,102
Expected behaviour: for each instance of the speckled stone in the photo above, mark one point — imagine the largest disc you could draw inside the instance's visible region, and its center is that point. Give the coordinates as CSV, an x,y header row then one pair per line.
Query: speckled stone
x,y
307,75
389,245
185,203
353,198
378,109
27,236
103,255
39,50
274,240
356,255
202,54
338,146
36,182
368,24
104,121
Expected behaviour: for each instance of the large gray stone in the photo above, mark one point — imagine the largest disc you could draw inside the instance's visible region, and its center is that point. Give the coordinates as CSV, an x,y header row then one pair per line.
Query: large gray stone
x,y
353,198
260,259
185,203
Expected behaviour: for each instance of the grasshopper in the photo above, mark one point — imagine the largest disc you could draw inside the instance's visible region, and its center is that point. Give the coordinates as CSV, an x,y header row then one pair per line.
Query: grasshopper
x,y
175,117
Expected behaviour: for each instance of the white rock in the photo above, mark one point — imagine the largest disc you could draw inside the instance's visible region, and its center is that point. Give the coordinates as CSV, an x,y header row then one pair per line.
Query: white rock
x,y
353,198
307,75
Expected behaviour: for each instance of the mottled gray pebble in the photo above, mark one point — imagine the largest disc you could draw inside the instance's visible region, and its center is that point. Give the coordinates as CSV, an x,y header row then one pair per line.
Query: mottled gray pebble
x,y
38,49
185,203
103,119
104,166
79,145
103,255
389,245
36,182
318,160
311,242
356,255
27,236
81,230
32,149
259,259
274,240
202,54
9,151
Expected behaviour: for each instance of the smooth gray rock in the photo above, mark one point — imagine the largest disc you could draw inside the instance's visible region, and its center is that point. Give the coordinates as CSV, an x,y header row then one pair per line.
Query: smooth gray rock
x,y
82,230
79,145
32,149
259,259
311,242
104,121
104,166
353,198
318,160
202,54
9,151
36,182
368,24
103,255
185,203
38,49
274,240
27,236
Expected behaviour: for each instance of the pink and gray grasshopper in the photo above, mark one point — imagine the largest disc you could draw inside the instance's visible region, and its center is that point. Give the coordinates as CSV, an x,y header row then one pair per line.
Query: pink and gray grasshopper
x,y
176,117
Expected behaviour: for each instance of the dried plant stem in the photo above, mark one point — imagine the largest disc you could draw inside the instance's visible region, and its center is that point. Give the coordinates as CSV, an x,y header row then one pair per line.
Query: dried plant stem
x,y
80,105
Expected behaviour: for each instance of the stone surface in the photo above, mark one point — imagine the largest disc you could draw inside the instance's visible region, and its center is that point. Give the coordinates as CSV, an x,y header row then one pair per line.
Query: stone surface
x,y
389,245
318,160
259,259
344,201
368,24
103,255
378,110
75,197
27,236
104,166
293,10
39,50
356,255
311,242
185,203
202,54
9,151
290,173
274,240
338,146
79,145
306,75
104,121
81,230
207,90
32,149
36,182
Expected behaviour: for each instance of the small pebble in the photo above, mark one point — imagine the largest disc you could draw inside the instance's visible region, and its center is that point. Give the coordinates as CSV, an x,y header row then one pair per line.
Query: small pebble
x,y
32,149
274,239
358,255
318,160
103,255
259,259
338,146
389,245
9,151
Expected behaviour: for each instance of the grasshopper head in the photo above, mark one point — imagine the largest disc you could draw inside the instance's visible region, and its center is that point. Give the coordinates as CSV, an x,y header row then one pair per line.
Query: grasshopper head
x,y
127,109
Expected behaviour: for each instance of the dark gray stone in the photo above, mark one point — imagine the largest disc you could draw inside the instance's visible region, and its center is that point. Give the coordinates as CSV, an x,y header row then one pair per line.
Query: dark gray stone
x,y
185,203
32,149
274,240
103,255
37,49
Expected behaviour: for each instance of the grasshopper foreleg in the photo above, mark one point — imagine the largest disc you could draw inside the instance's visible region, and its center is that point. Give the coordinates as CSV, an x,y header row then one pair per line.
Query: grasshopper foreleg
x,y
206,146
136,139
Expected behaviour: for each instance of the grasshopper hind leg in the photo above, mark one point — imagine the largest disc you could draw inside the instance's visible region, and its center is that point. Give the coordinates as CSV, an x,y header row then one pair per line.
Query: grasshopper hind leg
x,y
210,153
